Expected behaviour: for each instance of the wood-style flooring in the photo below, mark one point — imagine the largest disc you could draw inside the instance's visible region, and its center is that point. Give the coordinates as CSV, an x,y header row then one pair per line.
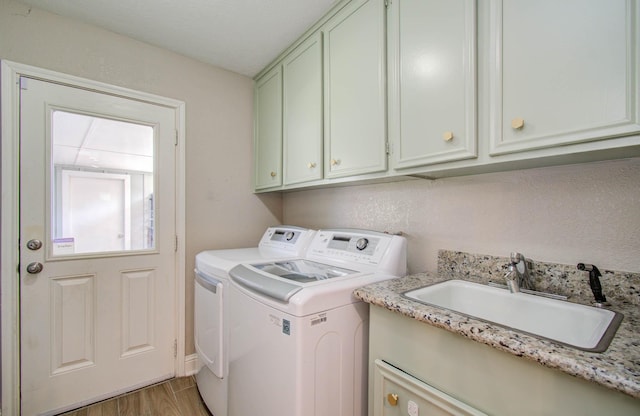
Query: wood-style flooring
x,y
176,397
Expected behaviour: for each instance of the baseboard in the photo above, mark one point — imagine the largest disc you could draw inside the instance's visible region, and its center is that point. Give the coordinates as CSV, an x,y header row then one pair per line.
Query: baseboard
x,y
190,364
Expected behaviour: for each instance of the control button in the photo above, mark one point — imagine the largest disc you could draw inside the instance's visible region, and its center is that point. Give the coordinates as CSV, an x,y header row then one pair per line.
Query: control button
x,y
289,235
362,243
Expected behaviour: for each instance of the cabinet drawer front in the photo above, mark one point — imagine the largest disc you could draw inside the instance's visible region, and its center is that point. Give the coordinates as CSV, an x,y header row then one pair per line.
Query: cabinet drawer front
x,y
564,72
399,393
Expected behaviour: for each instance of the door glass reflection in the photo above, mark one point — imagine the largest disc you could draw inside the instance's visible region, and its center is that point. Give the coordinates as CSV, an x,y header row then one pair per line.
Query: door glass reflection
x,y
102,191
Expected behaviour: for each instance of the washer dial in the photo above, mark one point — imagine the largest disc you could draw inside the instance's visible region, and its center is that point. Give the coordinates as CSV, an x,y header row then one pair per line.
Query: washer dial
x,y
362,243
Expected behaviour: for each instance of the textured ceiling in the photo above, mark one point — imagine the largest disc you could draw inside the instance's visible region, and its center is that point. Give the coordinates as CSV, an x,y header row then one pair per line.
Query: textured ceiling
x,y
239,35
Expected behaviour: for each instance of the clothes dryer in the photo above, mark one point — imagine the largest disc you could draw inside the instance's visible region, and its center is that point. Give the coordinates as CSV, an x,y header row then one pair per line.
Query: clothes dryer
x,y
211,309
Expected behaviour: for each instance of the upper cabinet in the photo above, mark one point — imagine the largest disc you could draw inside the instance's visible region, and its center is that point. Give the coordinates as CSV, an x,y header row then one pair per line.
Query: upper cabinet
x,y
302,118
379,89
563,72
268,130
355,100
432,81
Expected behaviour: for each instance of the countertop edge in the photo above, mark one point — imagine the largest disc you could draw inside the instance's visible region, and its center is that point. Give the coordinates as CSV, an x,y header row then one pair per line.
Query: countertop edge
x,y
602,368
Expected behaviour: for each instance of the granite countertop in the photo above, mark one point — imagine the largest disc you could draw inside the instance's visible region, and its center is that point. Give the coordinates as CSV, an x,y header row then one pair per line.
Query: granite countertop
x,y
617,368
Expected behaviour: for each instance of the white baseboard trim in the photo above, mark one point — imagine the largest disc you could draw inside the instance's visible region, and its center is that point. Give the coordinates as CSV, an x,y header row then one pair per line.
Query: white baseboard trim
x,y
190,364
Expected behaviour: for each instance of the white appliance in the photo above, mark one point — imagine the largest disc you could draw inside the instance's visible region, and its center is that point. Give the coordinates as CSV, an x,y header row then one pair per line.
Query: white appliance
x,y
298,338
211,310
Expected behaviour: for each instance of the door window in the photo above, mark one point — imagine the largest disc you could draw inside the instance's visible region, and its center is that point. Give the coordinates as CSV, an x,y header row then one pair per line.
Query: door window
x,y
102,193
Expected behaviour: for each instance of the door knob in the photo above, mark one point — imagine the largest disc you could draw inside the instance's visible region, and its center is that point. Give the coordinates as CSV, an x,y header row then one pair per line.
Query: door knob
x,y
34,244
392,399
34,268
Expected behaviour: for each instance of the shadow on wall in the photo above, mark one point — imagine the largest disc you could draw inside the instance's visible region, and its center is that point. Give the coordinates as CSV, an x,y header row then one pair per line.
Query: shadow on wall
x,y
273,202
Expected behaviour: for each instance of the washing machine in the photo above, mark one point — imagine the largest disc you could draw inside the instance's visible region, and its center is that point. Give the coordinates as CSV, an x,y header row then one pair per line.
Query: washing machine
x,y
211,310
298,338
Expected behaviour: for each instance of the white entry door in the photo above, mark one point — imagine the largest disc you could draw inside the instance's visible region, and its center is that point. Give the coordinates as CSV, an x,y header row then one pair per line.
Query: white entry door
x,y
97,245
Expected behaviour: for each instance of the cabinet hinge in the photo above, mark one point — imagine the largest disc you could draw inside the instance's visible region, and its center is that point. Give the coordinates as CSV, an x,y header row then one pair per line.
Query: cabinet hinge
x,y
175,348
176,137
175,244
387,3
23,83
388,148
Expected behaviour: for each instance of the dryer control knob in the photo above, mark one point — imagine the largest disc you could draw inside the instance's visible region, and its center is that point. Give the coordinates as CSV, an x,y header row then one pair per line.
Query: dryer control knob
x,y
362,243
289,235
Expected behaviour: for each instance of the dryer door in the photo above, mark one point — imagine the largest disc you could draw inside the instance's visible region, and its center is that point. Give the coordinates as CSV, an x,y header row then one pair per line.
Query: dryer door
x,y
209,297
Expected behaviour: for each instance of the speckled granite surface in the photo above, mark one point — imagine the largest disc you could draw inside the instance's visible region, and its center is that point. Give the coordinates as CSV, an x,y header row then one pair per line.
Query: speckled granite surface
x,y
617,368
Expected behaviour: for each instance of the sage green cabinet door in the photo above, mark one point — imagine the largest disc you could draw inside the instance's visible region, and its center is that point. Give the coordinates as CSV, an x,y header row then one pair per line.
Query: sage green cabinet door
x,y
302,134
354,65
268,130
397,393
432,81
563,72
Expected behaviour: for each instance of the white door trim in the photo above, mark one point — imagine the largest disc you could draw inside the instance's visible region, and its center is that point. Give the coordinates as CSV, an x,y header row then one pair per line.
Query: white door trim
x,y
10,73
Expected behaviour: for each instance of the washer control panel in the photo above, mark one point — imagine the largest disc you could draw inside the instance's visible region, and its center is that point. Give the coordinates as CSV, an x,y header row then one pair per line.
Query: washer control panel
x,y
375,250
288,238
353,246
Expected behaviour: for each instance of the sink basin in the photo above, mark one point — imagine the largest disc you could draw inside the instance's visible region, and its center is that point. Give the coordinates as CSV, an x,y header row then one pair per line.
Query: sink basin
x,y
583,327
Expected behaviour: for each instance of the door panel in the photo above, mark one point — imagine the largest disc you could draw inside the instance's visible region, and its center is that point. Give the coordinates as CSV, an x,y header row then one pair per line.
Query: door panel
x,y
268,130
302,103
354,90
432,82
574,81
138,307
99,318
72,323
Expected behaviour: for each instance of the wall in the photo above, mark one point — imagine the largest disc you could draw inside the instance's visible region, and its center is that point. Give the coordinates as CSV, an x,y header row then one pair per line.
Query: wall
x,y
567,214
219,120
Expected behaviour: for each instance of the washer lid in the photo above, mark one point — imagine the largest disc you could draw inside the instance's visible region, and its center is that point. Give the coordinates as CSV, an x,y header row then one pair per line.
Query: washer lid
x,y
292,275
303,271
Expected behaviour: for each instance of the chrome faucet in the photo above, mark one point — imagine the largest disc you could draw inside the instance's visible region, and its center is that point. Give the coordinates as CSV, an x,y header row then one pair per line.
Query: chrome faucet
x,y
518,275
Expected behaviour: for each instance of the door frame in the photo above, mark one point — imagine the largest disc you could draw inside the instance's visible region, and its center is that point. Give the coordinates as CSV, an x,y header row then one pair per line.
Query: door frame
x,y
10,73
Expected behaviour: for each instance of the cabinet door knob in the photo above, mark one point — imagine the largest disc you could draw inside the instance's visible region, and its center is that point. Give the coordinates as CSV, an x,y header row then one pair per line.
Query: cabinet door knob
x,y
517,123
447,136
392,399
273,174
311,165
335,162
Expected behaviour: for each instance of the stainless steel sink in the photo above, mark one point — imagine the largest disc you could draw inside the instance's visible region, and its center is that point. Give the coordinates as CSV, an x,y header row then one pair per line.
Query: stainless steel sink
x,y
583,327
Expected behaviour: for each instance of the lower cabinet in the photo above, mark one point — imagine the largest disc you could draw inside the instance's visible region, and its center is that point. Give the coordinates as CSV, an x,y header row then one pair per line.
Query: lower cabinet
x,y
399,393
449,374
